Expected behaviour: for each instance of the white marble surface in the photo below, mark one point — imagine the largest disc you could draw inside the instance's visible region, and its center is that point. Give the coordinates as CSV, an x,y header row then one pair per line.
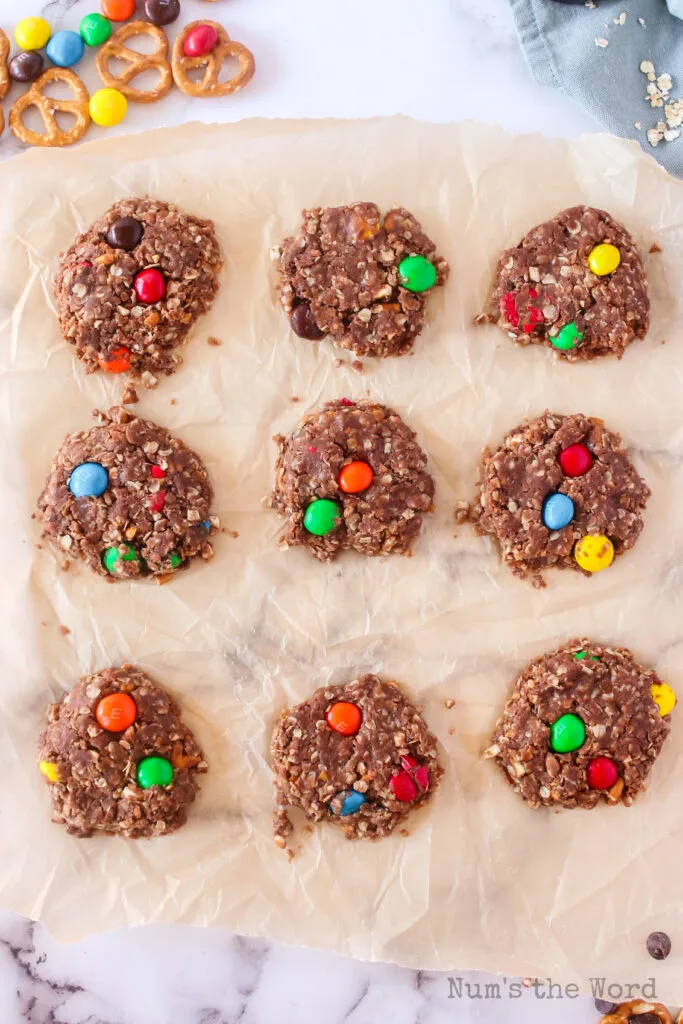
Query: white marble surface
x,y
441,60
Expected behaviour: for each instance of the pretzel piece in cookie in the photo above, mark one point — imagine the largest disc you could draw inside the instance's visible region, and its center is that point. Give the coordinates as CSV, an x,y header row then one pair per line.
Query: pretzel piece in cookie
x,y
136,62
634,1010
47,105
213,62
5,81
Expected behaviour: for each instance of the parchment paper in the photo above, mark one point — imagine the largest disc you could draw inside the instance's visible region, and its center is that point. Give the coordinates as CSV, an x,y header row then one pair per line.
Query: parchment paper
x,y
481,881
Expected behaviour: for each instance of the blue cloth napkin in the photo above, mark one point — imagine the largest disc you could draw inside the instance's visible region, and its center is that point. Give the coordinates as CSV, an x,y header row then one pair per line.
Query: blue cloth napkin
x,y
559,44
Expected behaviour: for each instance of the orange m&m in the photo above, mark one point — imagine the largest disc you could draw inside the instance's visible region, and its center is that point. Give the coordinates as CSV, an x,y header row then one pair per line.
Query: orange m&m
x,y
118,361
118,10
355,477
117,712
344,717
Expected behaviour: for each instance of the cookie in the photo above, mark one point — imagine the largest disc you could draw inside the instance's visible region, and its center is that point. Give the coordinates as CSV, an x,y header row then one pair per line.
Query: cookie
x,y
352,477
118,758
359,756
562,492
575,284
128,499
359,278
131,287
584,725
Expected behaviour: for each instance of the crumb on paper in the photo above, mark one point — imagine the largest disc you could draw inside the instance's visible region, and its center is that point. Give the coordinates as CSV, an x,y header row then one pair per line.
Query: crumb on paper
x,y
338,363
655,247
358,366
64,630
213,341
601,41
130,396
450,703
295,398
404,832
174,401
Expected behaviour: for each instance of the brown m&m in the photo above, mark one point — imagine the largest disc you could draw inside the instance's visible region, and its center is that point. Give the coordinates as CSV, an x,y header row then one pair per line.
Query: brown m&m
x,y
303,323
162,12
26,66
125,233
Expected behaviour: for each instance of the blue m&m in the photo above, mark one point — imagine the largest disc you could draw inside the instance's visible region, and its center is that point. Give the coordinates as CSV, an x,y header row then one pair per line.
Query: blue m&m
x,y
558,511
88,480
352,803
65,48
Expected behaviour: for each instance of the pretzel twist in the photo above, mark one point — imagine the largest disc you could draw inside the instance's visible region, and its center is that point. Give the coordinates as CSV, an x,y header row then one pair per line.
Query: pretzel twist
x,y
5,81
47,105
213,62
137,62
634,1008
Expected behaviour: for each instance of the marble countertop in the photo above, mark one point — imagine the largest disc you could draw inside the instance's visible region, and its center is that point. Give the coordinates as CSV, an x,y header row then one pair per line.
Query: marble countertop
x,y
314,59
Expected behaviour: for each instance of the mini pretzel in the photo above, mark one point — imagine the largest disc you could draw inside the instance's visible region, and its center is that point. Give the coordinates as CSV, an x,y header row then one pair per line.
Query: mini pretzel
x,y
137,62
209,84
35,97
635,1008
5,81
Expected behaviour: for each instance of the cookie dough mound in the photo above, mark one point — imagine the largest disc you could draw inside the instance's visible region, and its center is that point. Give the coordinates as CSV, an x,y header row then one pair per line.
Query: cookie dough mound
x,y
584,725
100,311
313,463
128,499
532,464
545,292
95,754
359,756
340,278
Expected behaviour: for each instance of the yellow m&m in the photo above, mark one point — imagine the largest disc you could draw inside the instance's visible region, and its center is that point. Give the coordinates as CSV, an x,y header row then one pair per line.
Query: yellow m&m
x,y
32,33
604,259
594,553
108,107
664,698
49,770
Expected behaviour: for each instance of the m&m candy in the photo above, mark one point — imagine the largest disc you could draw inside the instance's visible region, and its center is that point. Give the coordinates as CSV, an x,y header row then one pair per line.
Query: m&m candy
x,y
154,771
89,480
575,460
175,560
322,516
149,285
118,10
94,29
582,655
49,770
116,712
568,338
594,553
65,48
355,477
111,557
157,472
200,41
664,697
32,33
344,717
558,511
403,787
26,66
352,803
304,324
157,501
567,733
108,107
118,361
418,772
604,259
601,773
125,233
417,273
162,12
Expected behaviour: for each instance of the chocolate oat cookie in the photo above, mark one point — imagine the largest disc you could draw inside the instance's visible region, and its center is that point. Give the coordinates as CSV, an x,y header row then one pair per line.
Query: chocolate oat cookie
x,y
359,278
359,756
130,287
128,499
118,758
562,492
575,284
583,723
352,476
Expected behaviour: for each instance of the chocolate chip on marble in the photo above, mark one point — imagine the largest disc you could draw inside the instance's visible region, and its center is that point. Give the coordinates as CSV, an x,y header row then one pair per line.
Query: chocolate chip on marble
x,y
303,323
658,945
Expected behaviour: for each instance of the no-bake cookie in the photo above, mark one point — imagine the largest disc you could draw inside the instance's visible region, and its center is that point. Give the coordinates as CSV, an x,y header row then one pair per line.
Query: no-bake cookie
x,y
584,725
359,278
575,284
118,758
358,755
352,476
561,491
129,499
130,287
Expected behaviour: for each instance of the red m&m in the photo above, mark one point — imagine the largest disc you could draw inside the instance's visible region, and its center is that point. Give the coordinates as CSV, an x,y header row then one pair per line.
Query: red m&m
x,y
158,473
414,779
575,460
200,41
601,773
149,285
157,501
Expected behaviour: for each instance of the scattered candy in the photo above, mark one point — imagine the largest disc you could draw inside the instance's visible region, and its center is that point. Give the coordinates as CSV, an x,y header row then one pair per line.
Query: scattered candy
x,y
157,501
149,285
658,945
601,773
567,733
344,717
94,29
117,712
112,555
664,697
65,48
575,460
353,802
558,511
403,787
604,259
89,480
508,306
200,41
154,771
355,477
26,66
32,33
322,516
108,107
594,553
303,323
125,233
569,337
162,12
417,274
175,560
157,472
118,10
49,770
580,655
118,361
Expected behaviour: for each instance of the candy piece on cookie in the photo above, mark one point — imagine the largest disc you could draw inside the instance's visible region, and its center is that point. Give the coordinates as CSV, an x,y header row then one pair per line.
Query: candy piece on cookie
x,y
47,106
136,63
206,44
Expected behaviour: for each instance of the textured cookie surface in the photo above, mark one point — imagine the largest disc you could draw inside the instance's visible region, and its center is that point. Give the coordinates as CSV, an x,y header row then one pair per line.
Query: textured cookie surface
x,y
384,517
339,278
612,695
317,768
93,784
100,312
546,284
152,518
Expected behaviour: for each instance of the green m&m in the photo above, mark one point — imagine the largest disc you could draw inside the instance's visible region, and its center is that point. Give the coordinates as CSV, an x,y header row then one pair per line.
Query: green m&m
x,y
94,29
417,273
322,516
111,557
567,733
175,559
569,337
154,771
580,655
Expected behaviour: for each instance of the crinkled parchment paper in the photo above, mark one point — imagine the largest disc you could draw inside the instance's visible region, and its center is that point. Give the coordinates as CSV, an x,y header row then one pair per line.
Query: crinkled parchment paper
x,y
481,881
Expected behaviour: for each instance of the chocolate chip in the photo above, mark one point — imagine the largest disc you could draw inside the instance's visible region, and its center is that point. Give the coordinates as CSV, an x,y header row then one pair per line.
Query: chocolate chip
x,y
162,12
658,945
125,233
602,1006
303,323
644,1018
26,66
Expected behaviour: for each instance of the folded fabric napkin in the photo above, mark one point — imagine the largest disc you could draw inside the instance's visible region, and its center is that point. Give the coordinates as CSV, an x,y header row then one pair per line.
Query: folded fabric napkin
x,y
595,55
